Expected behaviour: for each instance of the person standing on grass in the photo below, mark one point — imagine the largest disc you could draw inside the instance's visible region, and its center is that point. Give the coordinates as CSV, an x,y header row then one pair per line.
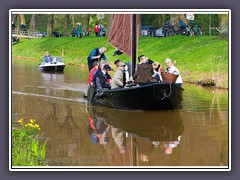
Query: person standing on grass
x,y
96,29
80,30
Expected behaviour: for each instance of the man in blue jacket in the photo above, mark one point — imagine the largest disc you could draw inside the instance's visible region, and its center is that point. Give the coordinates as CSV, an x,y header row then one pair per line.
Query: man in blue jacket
x,y
96,55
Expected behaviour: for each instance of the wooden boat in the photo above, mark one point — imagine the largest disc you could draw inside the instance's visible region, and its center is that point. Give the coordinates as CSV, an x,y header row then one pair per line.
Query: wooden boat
x,y
147,96
56,65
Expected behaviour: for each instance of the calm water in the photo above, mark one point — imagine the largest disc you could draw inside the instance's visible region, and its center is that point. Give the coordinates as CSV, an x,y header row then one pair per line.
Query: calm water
x,y
80,134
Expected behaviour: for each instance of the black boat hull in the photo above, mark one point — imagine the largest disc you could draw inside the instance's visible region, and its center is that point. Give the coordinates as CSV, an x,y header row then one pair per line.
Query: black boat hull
x,y
52,68
145,97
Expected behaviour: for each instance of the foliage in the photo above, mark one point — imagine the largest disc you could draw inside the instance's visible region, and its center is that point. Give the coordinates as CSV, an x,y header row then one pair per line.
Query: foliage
x,y
202,20
26,147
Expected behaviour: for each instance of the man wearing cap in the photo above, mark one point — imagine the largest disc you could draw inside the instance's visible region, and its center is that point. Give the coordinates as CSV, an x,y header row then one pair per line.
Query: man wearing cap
x,y
101,77
127,76
119,80
96,55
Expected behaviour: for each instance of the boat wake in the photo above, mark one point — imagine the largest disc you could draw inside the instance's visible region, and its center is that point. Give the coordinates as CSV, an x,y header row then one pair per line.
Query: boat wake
x,y
52,97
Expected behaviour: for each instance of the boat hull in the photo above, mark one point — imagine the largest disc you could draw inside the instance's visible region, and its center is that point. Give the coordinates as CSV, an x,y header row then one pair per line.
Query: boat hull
x,y
146,97
51,67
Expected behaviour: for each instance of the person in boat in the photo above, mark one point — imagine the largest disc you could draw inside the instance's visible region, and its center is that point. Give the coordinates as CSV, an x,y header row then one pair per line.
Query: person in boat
x,y
127,76
156,70
90,77
173,70
119,79
144,72
101,78
96,55
48,58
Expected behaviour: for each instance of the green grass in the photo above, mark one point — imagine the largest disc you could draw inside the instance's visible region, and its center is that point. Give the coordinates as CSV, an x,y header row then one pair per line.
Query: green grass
x,y
197,57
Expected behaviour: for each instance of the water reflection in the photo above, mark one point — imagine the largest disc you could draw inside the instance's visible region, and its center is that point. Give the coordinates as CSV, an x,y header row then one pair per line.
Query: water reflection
x,y
137,133
51,82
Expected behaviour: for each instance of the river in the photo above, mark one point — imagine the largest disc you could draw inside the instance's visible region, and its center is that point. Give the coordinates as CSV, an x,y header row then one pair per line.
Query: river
x,y
84,136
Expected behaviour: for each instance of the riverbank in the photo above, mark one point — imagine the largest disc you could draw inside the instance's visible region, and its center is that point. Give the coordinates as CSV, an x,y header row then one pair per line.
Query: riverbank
x,y
199,59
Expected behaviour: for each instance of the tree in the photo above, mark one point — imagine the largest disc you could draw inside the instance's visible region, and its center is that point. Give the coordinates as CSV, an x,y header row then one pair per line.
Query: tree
x,y
224,25
14,18
174,18
85,22
50,24
109,22
32,26
66,23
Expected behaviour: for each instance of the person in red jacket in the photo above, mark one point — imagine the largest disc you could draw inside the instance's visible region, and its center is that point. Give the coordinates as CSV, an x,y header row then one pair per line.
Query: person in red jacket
x,y
90,77
96,29
92,71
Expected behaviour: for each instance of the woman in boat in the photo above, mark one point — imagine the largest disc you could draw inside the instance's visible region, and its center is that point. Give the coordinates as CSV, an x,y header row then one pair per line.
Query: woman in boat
x,y
144,73
173,70
156,70
96,55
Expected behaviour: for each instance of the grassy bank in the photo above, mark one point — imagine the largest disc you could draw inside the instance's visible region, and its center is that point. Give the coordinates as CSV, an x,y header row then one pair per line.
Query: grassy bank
x,y
198,58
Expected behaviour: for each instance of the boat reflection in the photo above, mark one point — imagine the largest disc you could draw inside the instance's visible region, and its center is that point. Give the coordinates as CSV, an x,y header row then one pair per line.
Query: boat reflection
x,y
136,133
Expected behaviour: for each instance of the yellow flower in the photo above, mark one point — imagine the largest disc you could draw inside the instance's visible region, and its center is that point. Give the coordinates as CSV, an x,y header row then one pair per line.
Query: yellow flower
x,y
20,120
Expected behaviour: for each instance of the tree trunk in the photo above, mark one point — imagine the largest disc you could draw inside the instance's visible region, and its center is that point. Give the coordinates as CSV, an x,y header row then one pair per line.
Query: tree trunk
x,y
109,23
19,22
23,19
224,25
160,20
73,21
32,26
85,22
174,18
66,22
50,25
14,18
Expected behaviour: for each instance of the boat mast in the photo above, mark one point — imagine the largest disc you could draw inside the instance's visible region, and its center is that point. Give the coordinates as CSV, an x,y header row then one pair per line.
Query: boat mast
x,y
134,43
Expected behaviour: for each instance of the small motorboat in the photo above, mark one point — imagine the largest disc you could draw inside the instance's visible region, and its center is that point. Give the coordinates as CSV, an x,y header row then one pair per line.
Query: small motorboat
x,y
56,65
